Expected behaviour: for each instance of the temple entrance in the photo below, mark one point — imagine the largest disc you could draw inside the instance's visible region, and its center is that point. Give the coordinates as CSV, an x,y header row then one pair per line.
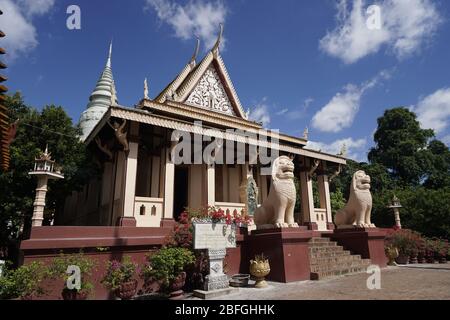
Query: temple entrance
x,y
180,199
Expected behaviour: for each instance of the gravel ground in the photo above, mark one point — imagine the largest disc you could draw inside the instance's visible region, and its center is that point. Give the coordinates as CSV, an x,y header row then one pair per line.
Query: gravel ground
x,y
418,282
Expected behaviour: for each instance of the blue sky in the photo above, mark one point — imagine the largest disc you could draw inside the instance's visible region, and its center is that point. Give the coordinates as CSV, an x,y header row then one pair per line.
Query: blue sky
x,y
295,64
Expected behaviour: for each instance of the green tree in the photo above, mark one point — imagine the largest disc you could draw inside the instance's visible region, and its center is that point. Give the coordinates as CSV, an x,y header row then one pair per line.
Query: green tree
x,y
51,126
401,146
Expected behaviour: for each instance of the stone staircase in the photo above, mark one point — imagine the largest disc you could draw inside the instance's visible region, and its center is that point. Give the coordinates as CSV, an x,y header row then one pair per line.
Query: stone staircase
x,y
327,260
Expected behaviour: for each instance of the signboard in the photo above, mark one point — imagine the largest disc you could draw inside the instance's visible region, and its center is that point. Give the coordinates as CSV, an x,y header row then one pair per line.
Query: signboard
x,y
214,236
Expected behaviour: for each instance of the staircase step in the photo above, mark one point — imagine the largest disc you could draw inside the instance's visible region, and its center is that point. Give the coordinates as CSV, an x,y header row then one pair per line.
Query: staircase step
x,y
328,259
333,267
325,249
335,259
320,255
337,273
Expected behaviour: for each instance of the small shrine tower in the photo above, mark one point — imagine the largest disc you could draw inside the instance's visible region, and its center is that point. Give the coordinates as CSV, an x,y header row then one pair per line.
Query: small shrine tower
x,y
44,169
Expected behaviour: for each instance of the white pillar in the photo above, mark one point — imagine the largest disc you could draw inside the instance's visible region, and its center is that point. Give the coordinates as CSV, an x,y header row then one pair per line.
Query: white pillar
x,y
169,181
130,180
211,185
324,194
39,202
307,197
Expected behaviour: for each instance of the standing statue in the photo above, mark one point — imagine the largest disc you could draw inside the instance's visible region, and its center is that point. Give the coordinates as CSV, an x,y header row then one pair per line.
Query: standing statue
x,y
278,209
120,133
359,206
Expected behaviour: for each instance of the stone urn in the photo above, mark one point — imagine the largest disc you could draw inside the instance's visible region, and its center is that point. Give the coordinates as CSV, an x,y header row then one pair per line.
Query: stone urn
x,y
392,254
260,268
127,290
176,287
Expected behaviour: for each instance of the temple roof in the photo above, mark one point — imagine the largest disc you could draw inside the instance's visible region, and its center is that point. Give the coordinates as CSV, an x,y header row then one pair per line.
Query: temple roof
x,y
205,85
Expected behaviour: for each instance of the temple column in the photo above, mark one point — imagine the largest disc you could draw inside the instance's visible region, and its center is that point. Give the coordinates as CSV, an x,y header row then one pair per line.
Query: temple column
x,y
307,201
39,202
211,185
128,219
325,202
169,186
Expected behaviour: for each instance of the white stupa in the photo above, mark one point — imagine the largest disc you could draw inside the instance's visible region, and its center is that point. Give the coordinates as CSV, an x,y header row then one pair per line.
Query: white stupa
x,y
103,96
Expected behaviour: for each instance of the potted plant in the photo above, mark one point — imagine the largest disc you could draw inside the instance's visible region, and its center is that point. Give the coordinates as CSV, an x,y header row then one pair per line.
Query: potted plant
x,y
120,279
59,268
442,250
430,248
407,242
392,254
24,283
167,265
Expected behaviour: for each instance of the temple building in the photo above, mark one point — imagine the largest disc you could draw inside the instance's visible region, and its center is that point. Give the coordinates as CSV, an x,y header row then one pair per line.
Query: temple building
x,y
141,184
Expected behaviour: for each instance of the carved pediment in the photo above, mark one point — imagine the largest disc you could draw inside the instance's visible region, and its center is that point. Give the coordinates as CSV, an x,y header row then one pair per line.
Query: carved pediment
x,y
209,93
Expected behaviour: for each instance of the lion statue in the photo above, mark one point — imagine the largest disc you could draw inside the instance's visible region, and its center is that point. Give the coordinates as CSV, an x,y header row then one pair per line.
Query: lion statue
x,y
277,210
359,206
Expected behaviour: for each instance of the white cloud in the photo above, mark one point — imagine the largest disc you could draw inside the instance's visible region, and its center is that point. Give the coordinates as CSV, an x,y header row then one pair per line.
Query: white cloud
x,y
297,113
356,149
196,17
36,7
446,140
406,26
282,112
16,23
260,113
433,111
339,113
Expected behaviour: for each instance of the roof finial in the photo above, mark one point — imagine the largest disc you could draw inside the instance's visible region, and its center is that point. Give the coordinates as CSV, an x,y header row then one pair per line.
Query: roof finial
x,y
108,63
146,89
194,57
219,39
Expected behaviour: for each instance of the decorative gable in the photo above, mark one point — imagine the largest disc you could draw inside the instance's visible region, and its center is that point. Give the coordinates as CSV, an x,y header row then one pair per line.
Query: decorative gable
x,y
209,93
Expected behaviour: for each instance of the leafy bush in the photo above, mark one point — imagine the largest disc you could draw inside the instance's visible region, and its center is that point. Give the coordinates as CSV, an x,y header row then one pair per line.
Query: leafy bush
x,y
406,241
58,269
167,264
24,282
119,272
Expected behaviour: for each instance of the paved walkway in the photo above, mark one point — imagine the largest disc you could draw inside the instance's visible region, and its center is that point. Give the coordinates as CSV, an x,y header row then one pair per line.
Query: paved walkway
x,y
420,282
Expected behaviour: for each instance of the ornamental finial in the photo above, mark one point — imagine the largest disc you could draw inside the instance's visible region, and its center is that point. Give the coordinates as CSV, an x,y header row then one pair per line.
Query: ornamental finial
x,y
194,56
219,39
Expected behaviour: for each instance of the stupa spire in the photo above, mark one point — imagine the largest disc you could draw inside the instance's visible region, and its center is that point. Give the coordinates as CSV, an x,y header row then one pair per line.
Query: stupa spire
x,y
103,96
108,62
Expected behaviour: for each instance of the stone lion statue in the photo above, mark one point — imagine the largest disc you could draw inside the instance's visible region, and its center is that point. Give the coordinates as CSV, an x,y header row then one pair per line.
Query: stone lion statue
x,y
278,209
359,206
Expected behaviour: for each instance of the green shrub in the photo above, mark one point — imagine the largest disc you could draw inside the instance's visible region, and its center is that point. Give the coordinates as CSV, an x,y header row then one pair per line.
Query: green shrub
x,y
119,272
25,282
167,264
58,269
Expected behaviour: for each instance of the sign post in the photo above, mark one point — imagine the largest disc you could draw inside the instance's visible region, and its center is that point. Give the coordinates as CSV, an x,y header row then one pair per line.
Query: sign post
x,y
216,238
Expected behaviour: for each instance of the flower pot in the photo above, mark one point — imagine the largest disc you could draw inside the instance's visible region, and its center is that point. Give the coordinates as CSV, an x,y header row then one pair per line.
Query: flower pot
x,y
127,290
260,269
74,294
402,259
421,258
176,287
413,259
239,280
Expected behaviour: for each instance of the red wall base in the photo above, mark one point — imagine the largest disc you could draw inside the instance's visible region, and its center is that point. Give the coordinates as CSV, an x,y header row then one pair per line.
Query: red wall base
x,y
369,243
286,249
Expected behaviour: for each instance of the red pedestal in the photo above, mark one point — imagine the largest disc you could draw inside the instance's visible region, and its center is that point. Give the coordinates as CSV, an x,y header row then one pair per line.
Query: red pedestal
x,y
126,222
369,243
286,249
311,226
167,223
